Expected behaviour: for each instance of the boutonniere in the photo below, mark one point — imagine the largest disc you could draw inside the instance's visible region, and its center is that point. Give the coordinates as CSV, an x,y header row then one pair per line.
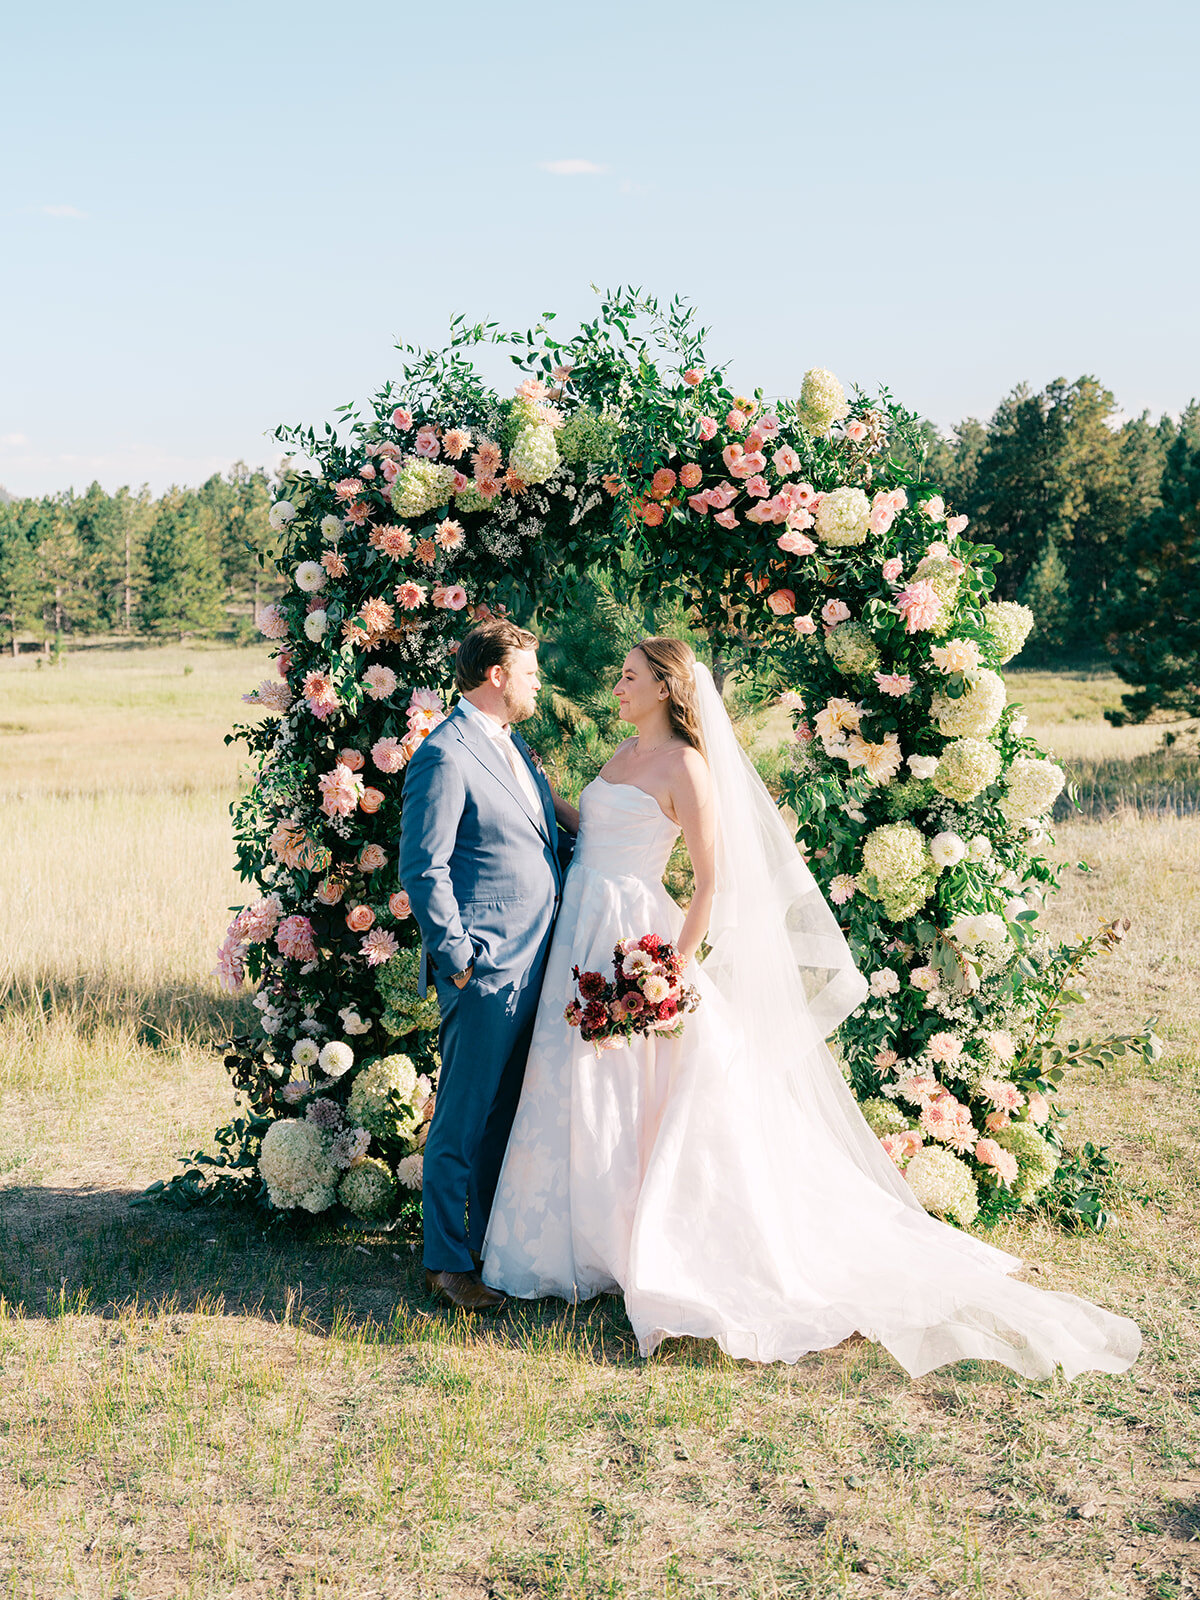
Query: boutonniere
x,y
538,765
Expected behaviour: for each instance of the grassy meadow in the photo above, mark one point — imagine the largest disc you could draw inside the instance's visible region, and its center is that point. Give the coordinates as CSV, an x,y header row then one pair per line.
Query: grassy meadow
x,y
191,1409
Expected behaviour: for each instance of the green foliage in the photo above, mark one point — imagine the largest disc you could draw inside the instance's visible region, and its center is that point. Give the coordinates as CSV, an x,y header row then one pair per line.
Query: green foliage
x,y
183,584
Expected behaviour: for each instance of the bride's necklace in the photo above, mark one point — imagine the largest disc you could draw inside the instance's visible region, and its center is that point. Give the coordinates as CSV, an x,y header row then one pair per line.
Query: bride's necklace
x,y
661,745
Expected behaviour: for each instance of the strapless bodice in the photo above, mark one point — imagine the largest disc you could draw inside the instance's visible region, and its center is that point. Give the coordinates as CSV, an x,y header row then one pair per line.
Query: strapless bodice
x,y
623,832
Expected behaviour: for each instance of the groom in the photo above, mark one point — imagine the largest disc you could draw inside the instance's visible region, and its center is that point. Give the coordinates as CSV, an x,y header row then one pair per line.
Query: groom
x,y
480,860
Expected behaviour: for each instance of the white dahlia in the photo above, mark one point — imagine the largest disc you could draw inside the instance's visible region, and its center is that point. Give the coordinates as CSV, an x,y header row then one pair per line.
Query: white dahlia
x,y
280,514
315,624
336,1059
310,576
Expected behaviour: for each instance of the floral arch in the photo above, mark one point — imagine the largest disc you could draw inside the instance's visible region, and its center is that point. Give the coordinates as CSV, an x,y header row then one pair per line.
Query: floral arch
x,y
802,538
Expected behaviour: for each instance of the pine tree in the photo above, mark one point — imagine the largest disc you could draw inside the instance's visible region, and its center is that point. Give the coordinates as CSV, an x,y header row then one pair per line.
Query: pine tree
x,y
1155,615
19,590
184,588
1046,592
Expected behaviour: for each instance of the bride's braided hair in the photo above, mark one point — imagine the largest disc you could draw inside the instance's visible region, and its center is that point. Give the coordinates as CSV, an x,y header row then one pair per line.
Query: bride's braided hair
x,y
672,662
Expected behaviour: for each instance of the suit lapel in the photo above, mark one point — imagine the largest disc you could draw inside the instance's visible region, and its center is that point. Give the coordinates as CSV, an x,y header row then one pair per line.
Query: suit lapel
x,y
540,784
486,751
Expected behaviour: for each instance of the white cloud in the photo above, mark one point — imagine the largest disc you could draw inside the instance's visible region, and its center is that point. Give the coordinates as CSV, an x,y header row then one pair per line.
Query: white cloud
x,y
13,441
64,211
572,168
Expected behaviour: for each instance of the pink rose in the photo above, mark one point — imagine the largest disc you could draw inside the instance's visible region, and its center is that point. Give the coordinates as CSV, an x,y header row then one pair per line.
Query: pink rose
x,y
782,602
804,625
367,472
757,486
460,482
352,759
391,471
785,461
399,905
402,418
370,800
693,376
708,428
881,518
856,431
359,918
372,857
690,474
726,519
330,891
892,568
835,611
796,544
426,443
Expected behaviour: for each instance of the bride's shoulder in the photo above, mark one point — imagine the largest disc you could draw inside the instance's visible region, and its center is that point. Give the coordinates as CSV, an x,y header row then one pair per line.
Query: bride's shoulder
x,y
688,769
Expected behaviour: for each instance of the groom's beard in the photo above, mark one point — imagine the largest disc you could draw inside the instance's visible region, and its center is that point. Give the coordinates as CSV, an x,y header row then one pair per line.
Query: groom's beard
x,y
520,710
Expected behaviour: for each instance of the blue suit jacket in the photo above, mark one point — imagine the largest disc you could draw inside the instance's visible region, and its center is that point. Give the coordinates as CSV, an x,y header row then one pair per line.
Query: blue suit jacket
x,y
481,867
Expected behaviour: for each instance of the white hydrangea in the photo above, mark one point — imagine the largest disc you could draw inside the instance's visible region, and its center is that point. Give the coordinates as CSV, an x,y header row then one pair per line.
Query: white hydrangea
x,y
336,1059
381,1098
844,517
331,529
315,624
280,514
421,486
822,402
943,1184
1033,787
294,1164
967,767
310,576
368,1190
947,849
1008,625
534,454
305,1053
974,713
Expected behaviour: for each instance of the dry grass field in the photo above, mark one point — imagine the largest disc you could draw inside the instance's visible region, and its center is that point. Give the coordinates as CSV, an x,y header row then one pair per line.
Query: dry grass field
x,y
192,1409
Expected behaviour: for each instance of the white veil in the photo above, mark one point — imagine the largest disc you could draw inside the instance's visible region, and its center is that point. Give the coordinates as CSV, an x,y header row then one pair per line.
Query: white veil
x,y
778,955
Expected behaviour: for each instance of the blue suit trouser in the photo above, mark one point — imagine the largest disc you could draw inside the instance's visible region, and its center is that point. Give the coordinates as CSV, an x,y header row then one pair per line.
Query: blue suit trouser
x,y
484,1042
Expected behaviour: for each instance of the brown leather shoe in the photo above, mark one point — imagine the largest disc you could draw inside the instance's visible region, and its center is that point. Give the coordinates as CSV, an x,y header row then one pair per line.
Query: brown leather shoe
x,y
466,1290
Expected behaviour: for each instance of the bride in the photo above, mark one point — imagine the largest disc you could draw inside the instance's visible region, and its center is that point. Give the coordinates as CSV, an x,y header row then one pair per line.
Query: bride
x,y
725,1181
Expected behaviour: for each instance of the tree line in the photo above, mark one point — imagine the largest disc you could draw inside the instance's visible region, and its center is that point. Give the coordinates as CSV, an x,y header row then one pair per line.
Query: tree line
x,y
192,561
1097,518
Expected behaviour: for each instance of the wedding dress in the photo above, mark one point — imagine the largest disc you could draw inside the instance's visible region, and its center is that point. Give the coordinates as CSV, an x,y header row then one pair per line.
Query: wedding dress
x,y
725,1182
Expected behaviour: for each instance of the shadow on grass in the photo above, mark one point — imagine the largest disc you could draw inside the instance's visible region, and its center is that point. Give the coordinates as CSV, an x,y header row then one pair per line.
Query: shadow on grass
x,y
66,1252
95,1003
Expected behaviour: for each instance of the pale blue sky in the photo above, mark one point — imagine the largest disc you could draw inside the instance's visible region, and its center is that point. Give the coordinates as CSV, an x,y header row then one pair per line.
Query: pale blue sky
x,y
220,216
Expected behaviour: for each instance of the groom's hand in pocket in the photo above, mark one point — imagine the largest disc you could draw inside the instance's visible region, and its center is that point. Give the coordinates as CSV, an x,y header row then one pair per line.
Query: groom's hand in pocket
x,y
462,979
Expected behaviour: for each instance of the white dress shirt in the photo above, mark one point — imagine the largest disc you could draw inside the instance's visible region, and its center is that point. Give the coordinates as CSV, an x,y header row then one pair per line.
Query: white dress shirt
x,y
508,749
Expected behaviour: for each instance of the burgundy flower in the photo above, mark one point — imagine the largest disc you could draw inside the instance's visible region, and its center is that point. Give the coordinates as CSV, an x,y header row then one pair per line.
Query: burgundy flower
x,y
592,985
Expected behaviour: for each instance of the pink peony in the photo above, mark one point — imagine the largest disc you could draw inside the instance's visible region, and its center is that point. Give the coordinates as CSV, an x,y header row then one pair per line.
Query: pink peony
x,y
272,624
782,602
399,905
833,612
796,544
897,684
359,919
693,376
379,946
785,461
372,857
379,682
426,443
294,938
451,598
690,474
402,418
920,605
804,625
708,428
891,569
387,754
341,791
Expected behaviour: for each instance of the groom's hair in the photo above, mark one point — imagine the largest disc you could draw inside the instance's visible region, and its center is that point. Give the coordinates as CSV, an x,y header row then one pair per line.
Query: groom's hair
x,y
488,645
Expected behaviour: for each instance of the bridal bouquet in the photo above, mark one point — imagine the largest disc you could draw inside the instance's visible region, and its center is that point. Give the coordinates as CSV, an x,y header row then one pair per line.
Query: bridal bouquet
x,y
645,995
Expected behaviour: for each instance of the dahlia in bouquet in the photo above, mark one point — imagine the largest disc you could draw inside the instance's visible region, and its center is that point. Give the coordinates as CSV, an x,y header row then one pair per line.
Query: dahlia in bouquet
x,y
646,994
